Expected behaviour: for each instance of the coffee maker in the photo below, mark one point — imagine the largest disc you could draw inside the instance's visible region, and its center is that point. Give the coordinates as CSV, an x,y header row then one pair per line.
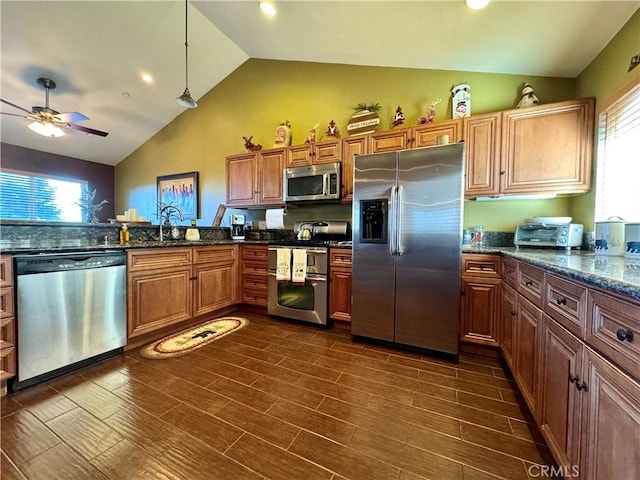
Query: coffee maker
x,y
237,227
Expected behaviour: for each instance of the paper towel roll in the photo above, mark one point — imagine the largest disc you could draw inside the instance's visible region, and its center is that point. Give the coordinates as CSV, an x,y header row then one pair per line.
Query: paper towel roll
x,y
275,218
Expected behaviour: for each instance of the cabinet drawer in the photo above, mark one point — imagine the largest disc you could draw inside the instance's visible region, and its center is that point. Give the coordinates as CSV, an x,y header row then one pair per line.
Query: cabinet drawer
x,y
225,254
6,271
8,330
254,297
531,283
162,258
481,265
6,302
613,328
259,268
255,252
509,271
339,257
7,360
566,303
255,282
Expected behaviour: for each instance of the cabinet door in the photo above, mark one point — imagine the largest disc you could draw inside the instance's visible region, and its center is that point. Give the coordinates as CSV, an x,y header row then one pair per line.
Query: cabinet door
x,y
299,155
561,371
527,362
158,298
350,147
389,141
547,148
216,287
507,327
426,135
340,293
270,168
327,152
241,182
482,154
480,307
611,422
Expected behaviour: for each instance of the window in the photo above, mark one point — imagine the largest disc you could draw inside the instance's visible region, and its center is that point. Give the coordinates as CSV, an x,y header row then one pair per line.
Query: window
x,y
27,196
617,190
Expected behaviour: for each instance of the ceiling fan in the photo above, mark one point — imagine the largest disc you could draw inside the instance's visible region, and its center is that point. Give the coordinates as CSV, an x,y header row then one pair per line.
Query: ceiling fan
x,y
48,122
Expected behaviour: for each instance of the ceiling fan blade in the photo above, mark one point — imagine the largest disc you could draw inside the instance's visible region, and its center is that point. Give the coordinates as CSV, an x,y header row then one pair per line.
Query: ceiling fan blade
x,y
21,115
16,106
90,131
71,117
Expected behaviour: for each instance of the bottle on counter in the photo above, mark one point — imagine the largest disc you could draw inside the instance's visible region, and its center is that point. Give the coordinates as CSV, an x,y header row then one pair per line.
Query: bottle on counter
x,y
124,234
478,236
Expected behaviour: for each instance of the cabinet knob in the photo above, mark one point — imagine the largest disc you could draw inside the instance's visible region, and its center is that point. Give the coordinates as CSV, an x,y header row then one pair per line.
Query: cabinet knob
x,y
581,386
513,314
503,172
561,301
623,335
528,283
572,378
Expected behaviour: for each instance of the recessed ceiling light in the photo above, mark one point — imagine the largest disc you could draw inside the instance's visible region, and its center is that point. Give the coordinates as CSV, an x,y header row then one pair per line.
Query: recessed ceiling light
x,y
477,4
268,8
147,78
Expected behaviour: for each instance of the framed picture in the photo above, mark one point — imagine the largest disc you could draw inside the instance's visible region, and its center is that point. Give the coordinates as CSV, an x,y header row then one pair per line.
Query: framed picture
x,y
180,190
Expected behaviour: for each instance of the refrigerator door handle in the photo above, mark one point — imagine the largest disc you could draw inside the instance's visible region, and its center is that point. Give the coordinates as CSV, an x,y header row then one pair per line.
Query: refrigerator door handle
x,y
400,246
391,227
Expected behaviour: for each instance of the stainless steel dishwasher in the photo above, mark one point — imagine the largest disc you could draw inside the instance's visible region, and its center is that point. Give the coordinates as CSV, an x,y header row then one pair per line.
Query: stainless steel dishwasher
x,y
71,310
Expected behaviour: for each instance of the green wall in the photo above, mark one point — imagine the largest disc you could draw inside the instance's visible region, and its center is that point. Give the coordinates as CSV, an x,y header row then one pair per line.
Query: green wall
x,y
260,94
602,79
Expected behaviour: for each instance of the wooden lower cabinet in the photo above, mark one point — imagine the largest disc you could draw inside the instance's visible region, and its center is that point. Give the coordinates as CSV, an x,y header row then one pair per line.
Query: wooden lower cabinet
x,y
167,286
340,284
526,352
507,328
254,275
480,300
561,360
7,322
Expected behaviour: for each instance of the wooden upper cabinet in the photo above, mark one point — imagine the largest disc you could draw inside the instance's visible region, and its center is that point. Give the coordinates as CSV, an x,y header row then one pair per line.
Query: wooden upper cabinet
x,y
482,135
255,178
547,148
350,147
329,151
241,179
389,140
270,167
426,135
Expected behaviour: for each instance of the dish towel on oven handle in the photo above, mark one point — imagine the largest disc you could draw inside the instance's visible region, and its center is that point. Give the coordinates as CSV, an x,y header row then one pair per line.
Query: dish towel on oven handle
x,y
299,267
283,264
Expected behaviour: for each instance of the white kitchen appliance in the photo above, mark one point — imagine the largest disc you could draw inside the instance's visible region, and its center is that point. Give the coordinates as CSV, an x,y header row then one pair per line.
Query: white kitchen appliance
x,y
237,227
563,235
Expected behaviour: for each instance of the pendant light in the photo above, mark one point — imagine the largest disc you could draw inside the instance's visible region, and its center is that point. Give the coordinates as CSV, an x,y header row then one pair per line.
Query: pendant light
x,y
185,99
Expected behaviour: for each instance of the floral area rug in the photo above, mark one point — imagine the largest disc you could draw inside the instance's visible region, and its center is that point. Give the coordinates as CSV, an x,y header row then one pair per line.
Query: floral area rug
x,y
187,341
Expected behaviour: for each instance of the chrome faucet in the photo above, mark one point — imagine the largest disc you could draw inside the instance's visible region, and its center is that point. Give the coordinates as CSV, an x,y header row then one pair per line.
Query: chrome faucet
x,y
163,210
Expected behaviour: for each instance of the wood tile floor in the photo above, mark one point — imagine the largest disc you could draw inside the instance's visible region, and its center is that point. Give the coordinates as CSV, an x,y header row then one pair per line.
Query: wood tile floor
x,y
276,400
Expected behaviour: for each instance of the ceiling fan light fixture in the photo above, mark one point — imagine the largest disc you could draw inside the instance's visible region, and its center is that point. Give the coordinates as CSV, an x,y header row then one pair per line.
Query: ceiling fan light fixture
x,y
476,4
185,100
46,129
268,8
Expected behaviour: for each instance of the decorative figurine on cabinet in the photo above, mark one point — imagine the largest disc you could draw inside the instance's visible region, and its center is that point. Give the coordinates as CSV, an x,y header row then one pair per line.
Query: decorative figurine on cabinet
x,y
312,134
250,146
529,98
398,117
461,103
332,130
424,119
283,135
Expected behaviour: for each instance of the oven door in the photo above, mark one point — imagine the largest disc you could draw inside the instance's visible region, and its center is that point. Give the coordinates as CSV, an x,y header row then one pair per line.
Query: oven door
x,y
306,302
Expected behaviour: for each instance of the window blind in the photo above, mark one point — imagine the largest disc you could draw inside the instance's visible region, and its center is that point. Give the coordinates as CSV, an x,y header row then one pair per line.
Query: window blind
x,y
27,196
618,167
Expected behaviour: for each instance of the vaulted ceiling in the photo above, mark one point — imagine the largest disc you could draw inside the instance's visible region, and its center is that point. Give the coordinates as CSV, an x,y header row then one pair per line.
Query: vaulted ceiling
x,y
96,51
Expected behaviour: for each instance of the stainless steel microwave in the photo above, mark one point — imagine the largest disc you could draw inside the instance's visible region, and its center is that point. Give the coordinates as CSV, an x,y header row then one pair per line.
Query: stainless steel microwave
x,y
312,183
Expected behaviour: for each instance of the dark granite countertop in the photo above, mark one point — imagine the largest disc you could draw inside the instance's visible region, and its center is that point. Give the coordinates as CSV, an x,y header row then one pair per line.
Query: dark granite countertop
x,y
615,274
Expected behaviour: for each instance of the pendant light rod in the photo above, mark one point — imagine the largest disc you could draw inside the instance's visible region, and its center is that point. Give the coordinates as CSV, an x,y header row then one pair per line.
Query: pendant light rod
x,y
185,100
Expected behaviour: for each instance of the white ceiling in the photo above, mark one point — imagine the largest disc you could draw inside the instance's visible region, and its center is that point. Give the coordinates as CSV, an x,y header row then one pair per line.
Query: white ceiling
x,y
96,50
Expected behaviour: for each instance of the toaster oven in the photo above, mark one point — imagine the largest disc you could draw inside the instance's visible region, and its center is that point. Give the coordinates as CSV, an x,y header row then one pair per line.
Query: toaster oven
x,y
566,235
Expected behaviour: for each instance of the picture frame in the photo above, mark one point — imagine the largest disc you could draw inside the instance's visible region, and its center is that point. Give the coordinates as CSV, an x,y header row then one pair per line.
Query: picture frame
x,y
180,190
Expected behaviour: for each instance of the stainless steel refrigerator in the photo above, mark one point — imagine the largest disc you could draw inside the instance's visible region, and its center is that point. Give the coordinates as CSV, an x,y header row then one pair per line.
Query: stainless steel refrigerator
x,y
407,227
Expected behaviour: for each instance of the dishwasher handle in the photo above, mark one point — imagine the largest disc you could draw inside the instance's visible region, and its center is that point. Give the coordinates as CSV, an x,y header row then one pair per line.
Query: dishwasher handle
x,y
47,263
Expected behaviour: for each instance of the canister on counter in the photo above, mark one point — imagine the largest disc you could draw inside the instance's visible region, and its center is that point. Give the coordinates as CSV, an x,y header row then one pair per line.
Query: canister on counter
x,y
632,240
610,237
478,236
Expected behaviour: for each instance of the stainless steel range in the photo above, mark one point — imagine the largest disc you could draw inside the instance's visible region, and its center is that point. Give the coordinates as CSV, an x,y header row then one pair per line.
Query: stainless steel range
x,y
304,299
